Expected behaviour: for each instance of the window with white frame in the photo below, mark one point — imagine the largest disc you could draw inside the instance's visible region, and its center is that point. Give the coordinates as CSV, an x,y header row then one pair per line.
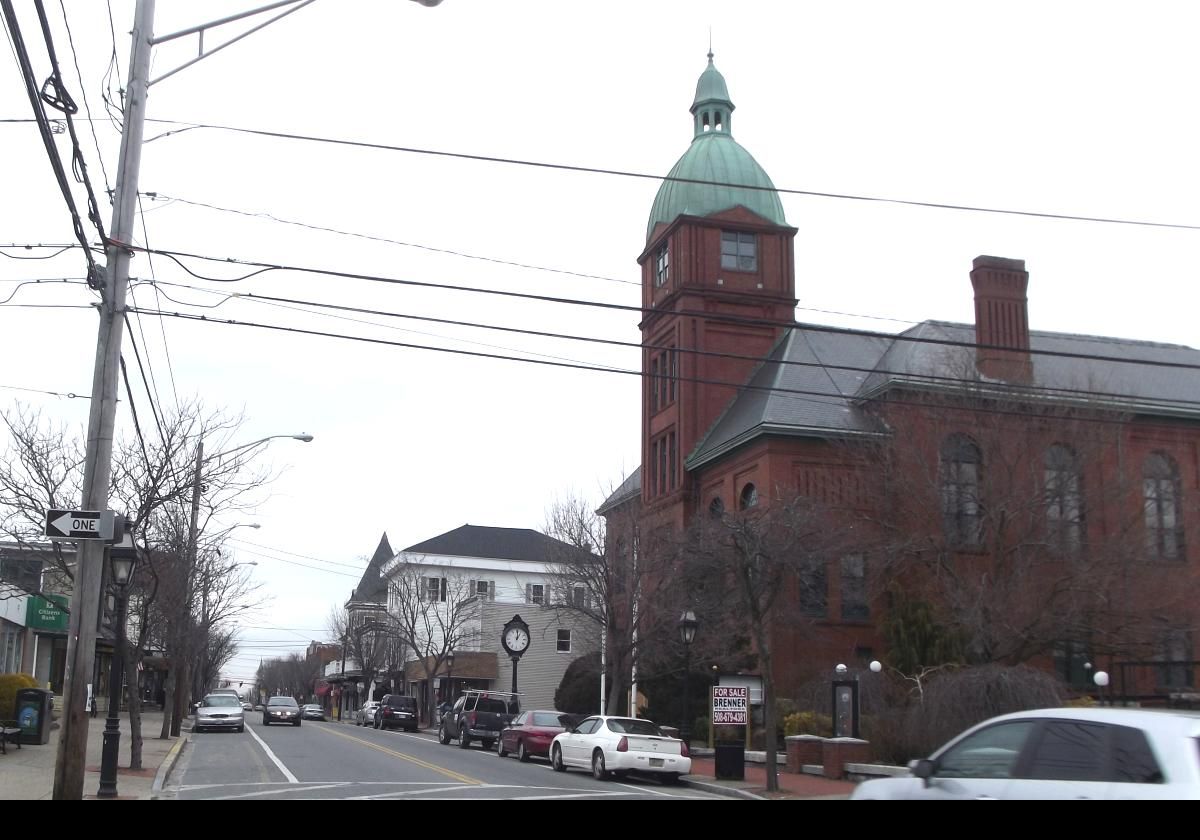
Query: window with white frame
x,y
579,596
435,589
564,641
485,590
662,266
535,593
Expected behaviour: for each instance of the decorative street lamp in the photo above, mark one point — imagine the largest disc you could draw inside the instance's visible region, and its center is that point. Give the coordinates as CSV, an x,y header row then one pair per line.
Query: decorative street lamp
x,y
687,634
122,559
1101,680
448,694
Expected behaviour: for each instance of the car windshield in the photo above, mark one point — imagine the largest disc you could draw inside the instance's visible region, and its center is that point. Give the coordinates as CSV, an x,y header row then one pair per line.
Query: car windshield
x,y
222,700
282,701
548,719
487,704
633,726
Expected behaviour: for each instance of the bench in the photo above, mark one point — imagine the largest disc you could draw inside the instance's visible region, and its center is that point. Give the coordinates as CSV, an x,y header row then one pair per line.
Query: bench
x,y
9,731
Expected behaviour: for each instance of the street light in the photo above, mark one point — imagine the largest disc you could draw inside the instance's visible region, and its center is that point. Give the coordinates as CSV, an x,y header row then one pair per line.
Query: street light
x,y
193,534
1101,680
687,634
122,559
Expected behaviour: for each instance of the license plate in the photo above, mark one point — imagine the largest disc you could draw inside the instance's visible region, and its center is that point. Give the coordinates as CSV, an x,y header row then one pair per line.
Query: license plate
x,y
656,762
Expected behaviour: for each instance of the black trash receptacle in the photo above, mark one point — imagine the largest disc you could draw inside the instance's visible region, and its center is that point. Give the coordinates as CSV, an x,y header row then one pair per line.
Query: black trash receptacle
x,y
33,707
730,760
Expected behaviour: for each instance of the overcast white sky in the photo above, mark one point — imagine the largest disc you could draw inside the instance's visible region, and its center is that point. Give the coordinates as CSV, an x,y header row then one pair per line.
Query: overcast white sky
x,y
1079,108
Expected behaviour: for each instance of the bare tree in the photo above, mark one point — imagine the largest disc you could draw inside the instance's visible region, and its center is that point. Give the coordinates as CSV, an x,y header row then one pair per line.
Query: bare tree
x,y
433,610
1020,525
369,639
743,570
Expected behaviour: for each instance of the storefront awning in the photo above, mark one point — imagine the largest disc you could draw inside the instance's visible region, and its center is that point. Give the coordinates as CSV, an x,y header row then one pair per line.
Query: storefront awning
x,y
468,665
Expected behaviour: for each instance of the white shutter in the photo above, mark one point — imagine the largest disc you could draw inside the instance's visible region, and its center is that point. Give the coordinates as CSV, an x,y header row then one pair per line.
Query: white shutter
x,y
474,588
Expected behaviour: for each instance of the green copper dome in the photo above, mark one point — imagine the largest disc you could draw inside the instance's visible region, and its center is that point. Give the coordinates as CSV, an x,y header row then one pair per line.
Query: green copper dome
x,y
714,156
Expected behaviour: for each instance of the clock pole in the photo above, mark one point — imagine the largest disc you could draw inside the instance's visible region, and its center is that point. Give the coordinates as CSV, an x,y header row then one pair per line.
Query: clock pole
x,y
515,660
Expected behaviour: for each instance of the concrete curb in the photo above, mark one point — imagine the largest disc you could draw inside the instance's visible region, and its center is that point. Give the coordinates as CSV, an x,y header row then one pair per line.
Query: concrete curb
x,y
713,787
164,769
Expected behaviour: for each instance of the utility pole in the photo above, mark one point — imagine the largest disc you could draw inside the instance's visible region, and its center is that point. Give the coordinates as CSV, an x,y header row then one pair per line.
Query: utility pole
x,y
85,594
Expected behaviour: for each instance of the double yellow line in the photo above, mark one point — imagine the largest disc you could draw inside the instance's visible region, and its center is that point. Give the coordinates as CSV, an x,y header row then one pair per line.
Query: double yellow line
x,y
458,777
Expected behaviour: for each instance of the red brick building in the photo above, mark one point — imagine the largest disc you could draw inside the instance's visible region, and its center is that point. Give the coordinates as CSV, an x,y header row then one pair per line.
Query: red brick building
x,y
1039,488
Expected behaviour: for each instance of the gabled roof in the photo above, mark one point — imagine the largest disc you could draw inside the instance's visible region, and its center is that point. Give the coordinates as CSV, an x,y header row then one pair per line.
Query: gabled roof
x,y
493,543
800,389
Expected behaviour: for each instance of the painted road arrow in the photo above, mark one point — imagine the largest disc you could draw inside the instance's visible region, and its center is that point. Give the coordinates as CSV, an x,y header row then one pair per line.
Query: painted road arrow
x,y
79,524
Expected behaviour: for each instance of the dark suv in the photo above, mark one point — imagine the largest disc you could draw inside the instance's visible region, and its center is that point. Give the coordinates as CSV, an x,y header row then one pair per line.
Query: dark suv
x,y
396,710
478,715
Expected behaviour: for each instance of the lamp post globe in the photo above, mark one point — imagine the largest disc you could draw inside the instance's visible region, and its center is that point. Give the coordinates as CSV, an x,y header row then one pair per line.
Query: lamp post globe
x,y
876,666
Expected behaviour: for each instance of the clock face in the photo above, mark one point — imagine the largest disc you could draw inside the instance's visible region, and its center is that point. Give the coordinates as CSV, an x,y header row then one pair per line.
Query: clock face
x,y
516,639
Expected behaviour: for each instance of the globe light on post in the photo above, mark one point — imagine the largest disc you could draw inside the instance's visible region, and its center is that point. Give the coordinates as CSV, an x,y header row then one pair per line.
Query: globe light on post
x,y
876,666
841,669
1101,680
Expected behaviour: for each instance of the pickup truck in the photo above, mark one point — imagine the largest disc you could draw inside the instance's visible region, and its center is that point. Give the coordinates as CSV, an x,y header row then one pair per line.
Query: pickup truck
x,y
478,714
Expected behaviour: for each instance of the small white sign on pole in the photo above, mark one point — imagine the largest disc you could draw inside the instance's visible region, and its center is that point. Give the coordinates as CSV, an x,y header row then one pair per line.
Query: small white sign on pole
x,y
731,705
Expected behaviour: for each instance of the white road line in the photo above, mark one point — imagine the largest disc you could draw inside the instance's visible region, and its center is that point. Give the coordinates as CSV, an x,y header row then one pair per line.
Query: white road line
x,y
282,769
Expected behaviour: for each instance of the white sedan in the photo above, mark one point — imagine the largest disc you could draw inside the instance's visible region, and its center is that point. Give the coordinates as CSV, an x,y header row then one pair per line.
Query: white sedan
x,y
619,745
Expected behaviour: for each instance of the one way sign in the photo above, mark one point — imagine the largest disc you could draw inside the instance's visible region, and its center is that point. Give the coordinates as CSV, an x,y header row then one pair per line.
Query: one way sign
x,y
79,524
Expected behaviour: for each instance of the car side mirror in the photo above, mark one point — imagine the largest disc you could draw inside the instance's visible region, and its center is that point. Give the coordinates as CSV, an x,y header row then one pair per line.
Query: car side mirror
x,y
923,769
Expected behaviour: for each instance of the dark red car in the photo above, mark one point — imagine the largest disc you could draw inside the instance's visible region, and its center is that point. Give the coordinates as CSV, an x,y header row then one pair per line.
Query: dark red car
x,y
530,733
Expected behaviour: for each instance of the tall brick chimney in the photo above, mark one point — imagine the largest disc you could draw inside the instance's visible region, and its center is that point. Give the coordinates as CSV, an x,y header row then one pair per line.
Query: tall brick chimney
x,y
1001,319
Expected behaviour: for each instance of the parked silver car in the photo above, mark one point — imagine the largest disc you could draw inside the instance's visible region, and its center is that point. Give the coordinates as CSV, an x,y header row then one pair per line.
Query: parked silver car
x,y
366,715
219,711
1098,753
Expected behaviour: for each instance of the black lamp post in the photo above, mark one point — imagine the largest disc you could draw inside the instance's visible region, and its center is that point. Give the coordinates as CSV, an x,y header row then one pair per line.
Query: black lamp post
x,y
448,694
687,634
122,559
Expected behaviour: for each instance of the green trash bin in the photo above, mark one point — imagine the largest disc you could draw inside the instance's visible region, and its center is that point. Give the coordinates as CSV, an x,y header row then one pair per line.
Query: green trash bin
x,y
33,713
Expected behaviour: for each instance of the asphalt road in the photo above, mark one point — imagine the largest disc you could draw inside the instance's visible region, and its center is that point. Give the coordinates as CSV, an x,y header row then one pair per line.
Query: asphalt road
x,y
321,760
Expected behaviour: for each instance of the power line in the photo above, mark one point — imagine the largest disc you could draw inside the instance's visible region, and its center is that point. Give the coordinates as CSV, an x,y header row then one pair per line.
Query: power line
x,y
358,566
22,55
71,395
154,196
282,135
256,298
83,94
263,267
826,398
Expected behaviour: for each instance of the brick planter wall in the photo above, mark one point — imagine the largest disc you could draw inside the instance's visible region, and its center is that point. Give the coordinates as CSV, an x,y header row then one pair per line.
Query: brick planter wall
x,y
803,749
838,752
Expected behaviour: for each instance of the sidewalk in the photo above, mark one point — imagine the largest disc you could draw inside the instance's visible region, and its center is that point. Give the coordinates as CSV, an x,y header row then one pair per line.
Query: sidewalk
x,y
791,785
28,772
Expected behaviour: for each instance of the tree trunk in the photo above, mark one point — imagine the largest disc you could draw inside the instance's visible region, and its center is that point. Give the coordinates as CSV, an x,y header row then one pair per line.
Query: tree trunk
x,y
169,703
135,708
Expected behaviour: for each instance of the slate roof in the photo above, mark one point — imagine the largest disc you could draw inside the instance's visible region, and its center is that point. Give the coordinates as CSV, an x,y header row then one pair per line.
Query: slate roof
x,y
371,587
814,397
493,543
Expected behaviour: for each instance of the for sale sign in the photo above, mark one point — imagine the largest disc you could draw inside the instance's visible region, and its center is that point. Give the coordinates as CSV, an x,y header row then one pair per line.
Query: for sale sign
x,y
731,705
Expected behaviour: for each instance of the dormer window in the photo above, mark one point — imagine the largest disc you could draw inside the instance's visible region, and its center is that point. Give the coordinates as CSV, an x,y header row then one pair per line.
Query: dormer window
x,y
739,251
662,266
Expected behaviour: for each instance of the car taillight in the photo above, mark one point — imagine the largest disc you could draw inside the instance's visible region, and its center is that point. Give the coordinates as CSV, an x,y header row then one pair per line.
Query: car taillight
x,y
623,744
683,750
470,719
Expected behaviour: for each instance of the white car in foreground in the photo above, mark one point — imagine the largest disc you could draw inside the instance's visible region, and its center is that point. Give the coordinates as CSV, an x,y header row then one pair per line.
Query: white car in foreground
x,y
219,711
1097,753
620,745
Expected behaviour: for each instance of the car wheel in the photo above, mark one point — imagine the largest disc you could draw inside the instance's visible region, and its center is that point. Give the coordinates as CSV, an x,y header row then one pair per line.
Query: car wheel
x,y
297,723
376,723
242,728
522,753
598,770
556,759
464,740
501,750
443,736
670,779
266,722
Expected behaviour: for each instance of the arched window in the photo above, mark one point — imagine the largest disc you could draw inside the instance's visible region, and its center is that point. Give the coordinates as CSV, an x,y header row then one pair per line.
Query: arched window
x,y
1161,491
962,510
716,508
749,497
1064,500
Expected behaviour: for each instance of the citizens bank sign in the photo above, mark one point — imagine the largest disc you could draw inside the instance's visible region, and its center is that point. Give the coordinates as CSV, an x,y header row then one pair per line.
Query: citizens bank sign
x,y
41,613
